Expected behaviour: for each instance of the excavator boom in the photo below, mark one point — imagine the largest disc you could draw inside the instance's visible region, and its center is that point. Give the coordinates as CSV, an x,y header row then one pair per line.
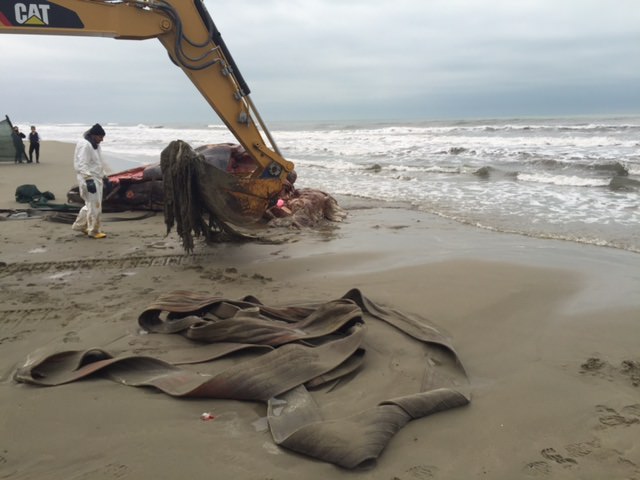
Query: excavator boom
x,y
186,30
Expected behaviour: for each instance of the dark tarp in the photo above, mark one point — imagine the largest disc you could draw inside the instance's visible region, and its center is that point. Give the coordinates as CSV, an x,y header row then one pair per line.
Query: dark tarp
x,y
7,149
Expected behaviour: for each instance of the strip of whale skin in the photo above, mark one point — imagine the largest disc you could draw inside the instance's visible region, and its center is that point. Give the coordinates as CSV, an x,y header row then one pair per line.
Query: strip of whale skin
x,y
257,379
295,423
294,348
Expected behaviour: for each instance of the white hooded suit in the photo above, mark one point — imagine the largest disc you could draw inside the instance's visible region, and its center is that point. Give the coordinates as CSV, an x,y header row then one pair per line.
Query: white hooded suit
x,y
88,164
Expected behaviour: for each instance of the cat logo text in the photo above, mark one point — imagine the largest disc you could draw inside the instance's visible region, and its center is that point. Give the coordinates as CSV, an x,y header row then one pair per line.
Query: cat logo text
x,y
32,14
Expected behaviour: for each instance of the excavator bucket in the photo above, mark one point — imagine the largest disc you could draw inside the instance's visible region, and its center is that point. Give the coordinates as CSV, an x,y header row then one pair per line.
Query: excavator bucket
x,y
227,187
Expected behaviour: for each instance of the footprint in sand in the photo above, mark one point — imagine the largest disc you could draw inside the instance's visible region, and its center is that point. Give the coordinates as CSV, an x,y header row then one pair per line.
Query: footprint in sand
x,y
597,367
423,471
631,368
551,454
111,470
116,470
582,449
611,418
593,451
632,409
71,337
15,337
537,469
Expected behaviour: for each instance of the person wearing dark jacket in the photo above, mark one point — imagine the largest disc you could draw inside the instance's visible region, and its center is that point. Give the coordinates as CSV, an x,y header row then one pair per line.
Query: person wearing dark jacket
x,y
34,145
17,137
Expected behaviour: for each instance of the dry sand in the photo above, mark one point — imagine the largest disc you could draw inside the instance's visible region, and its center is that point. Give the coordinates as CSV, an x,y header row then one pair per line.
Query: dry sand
x,y
548,332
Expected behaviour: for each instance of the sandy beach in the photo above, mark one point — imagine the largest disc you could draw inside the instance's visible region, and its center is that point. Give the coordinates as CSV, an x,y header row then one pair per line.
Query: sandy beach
x,y
546,330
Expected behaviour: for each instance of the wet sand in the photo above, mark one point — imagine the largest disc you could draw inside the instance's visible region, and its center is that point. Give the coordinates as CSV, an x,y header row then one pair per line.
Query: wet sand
x,y
547,331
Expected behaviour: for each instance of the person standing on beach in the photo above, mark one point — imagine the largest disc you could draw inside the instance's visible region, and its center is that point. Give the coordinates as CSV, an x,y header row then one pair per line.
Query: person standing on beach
x,y
17,137
89,167
34,144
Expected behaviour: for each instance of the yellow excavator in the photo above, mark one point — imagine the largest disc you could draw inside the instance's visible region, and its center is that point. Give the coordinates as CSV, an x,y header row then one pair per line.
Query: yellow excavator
x,y
186,30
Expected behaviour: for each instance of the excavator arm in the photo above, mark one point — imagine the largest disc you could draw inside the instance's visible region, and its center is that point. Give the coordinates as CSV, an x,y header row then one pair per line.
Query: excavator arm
x,y
186,30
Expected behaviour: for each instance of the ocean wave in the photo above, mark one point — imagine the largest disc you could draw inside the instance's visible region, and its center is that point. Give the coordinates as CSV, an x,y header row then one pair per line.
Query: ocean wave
x,y
633,169
531,128
448,169
485,172
622,183
563,180
580,163
615,167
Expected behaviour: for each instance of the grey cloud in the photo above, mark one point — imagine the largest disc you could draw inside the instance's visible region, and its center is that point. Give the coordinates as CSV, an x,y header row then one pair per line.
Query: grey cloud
x,y
330,58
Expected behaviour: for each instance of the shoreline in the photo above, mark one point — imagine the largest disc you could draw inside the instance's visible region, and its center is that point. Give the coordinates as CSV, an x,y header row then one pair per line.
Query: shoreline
x,y
60,180
546,330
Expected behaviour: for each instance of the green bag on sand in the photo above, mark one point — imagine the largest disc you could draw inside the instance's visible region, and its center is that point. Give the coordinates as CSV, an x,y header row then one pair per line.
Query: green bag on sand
x,y
29,193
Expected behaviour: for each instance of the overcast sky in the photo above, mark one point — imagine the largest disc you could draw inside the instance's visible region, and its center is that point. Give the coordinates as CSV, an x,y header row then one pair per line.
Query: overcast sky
x,y
350,60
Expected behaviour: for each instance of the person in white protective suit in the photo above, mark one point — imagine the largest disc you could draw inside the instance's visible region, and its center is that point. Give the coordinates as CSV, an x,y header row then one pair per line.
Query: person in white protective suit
x,y
87,161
